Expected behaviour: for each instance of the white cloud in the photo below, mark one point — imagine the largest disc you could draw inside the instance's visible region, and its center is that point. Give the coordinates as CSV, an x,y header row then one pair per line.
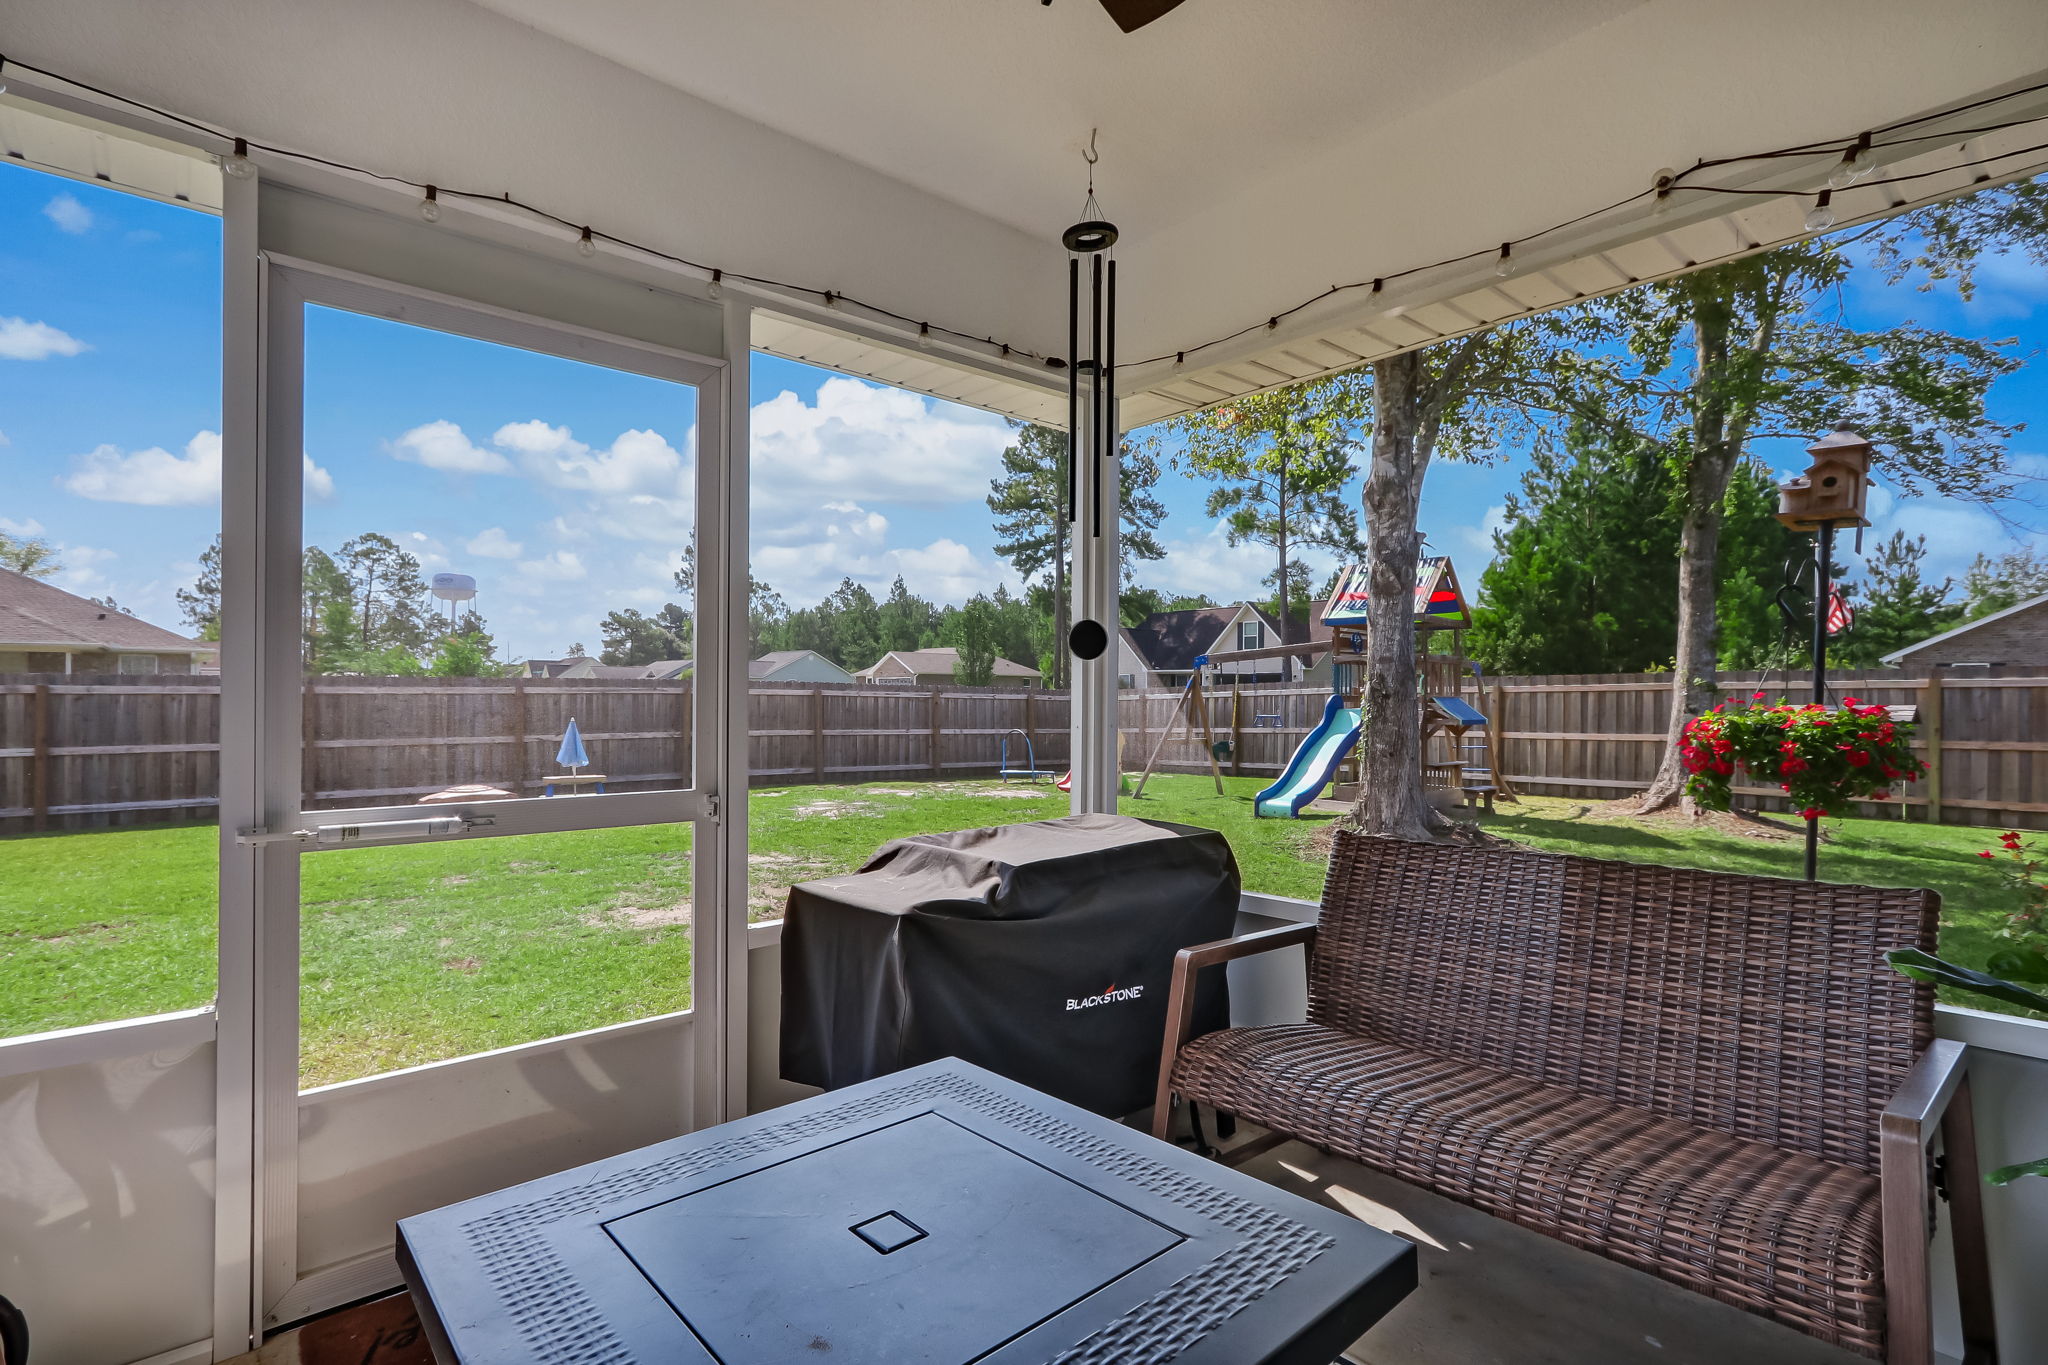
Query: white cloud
x,y
1207,563
860,442
3,439
852,542
563,566
1476,542
495,544
638,461
431,553
31,527
68,214
442,445
152,477
21,339
319,484
81,571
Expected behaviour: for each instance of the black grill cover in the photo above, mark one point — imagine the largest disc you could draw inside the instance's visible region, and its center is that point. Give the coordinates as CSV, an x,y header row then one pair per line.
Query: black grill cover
x,y
1041,951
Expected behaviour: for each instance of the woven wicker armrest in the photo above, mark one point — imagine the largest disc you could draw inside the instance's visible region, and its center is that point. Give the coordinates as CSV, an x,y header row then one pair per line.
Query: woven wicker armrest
x,y
1180,999
1934,1097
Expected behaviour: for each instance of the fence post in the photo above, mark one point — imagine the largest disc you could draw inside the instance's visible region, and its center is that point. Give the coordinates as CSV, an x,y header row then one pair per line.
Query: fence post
x,y
309,754
39,796
938,761
1930,731
818,734
520,749
1236,728
686,746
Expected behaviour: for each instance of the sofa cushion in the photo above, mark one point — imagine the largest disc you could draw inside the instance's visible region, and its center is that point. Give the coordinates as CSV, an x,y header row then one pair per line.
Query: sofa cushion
x,y
1778,1233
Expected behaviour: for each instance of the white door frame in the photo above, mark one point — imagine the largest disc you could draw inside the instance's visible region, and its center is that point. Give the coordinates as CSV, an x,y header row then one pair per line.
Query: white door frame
x,y
258,1089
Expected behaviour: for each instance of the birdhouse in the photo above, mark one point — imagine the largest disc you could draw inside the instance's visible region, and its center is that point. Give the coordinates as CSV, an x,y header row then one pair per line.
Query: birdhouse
x,y
1833,488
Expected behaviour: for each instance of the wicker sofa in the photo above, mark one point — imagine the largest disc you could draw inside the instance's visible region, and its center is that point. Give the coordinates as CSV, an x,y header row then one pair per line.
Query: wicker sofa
x,y
1709,1077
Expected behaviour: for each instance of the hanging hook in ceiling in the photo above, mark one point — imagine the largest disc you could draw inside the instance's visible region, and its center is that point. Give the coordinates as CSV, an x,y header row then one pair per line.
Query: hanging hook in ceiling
x,y
1091,156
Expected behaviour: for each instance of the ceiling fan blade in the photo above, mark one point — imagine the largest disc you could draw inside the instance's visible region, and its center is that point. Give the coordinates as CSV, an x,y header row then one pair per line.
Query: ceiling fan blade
x,y
1132,15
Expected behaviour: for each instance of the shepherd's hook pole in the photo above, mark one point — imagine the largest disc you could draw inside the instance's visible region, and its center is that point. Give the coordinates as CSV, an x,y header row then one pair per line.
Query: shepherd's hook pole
x,y
1823,552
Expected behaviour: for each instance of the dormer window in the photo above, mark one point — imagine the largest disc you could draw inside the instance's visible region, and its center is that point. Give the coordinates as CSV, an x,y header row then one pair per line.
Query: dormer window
x,y
1250,635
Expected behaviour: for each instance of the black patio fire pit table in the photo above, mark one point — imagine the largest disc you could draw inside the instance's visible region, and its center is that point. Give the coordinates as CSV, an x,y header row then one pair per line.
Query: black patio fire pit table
x,y
938,1216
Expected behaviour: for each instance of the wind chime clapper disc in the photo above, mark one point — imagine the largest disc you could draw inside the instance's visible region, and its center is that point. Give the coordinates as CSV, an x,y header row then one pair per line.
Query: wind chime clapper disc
x,y
1088,640
1086,239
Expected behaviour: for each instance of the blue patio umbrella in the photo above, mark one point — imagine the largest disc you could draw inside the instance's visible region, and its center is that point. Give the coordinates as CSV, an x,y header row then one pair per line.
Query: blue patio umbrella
x,y
571,754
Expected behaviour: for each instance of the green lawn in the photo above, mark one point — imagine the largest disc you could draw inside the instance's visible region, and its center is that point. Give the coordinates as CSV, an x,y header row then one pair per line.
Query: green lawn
x,y
414,953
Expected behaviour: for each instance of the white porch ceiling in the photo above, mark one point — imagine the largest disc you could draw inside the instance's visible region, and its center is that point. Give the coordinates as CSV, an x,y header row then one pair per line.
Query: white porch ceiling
x,y
922,154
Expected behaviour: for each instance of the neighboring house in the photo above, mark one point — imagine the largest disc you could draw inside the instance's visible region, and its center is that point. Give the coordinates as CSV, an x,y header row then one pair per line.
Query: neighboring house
x,y
44,629
1160,651
931,667
2016,636
583,666
797,666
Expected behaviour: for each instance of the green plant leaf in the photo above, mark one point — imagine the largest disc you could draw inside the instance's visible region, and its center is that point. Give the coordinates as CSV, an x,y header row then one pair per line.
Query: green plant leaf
x,y
2014,965
2005,1175
1934,971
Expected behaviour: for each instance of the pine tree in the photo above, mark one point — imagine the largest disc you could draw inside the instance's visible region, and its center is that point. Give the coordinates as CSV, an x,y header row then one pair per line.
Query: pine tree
x,y
906,621
976,666
1991,585
1585,571
1895,606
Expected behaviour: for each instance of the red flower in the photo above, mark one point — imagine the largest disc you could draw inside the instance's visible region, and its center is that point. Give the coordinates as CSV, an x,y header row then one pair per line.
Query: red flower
x,y
1985,854
1756,696
1792,765
1784,786
1851,701
1812,813
1858,759
1881,796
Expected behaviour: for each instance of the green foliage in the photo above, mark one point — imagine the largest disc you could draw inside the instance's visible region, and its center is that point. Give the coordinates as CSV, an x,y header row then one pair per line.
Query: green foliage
x,y
1281,462
1585,571
976,663
632,637
1754,548
390,595
906,620
1895,606
1946,241
1824,760
1585,574
463,656
30,555
1136,603
1991,585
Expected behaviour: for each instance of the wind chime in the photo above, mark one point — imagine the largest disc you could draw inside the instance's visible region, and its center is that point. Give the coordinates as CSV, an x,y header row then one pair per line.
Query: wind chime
x,y
1831,493
1092,500
1091,413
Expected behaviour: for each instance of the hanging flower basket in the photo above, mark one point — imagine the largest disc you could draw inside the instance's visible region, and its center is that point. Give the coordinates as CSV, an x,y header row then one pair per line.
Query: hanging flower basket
x,y
1824,758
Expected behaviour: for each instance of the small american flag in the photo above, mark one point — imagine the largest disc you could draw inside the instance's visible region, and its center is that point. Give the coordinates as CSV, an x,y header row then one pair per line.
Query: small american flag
x,y
1841,615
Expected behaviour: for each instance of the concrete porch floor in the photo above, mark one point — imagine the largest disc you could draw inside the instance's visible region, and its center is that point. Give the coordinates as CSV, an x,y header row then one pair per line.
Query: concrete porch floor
x,y
1491,1294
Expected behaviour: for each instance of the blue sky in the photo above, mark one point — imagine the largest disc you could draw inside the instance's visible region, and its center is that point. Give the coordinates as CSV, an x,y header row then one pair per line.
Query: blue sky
x,y
561,486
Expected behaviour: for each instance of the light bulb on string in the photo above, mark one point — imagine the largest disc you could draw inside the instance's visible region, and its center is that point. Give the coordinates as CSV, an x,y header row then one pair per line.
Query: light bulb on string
x,y
924,335
586,245
1856,163
430,205
237,163
1663,181
1505,266
716,290
1821,216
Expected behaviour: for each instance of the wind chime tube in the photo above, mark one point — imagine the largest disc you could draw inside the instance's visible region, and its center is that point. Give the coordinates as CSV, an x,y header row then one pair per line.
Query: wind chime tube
x,y
1095,398
1105,375
1073,377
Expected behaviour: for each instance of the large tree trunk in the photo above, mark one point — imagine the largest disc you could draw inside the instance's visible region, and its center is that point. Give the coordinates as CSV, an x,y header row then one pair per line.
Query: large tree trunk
x,y
1281,539
1390,797
1717,444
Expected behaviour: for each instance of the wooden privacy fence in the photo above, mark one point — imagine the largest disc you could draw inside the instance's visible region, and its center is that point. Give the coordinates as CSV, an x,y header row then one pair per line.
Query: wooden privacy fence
x,y
82,753
1601,736
78,753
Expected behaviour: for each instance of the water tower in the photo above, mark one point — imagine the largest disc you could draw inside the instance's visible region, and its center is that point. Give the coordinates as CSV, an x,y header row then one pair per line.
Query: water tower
x,y
454,589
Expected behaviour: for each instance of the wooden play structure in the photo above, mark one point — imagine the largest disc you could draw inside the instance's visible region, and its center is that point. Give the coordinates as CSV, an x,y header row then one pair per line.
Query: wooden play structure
x,y
1460,750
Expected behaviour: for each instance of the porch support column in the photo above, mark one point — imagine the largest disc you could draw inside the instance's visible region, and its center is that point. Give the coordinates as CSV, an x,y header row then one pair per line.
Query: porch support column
x,y
1098,561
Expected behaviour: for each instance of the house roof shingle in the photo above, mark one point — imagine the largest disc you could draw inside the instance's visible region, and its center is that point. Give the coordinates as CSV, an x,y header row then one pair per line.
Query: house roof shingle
x,y
941,660
1171,641
41,615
